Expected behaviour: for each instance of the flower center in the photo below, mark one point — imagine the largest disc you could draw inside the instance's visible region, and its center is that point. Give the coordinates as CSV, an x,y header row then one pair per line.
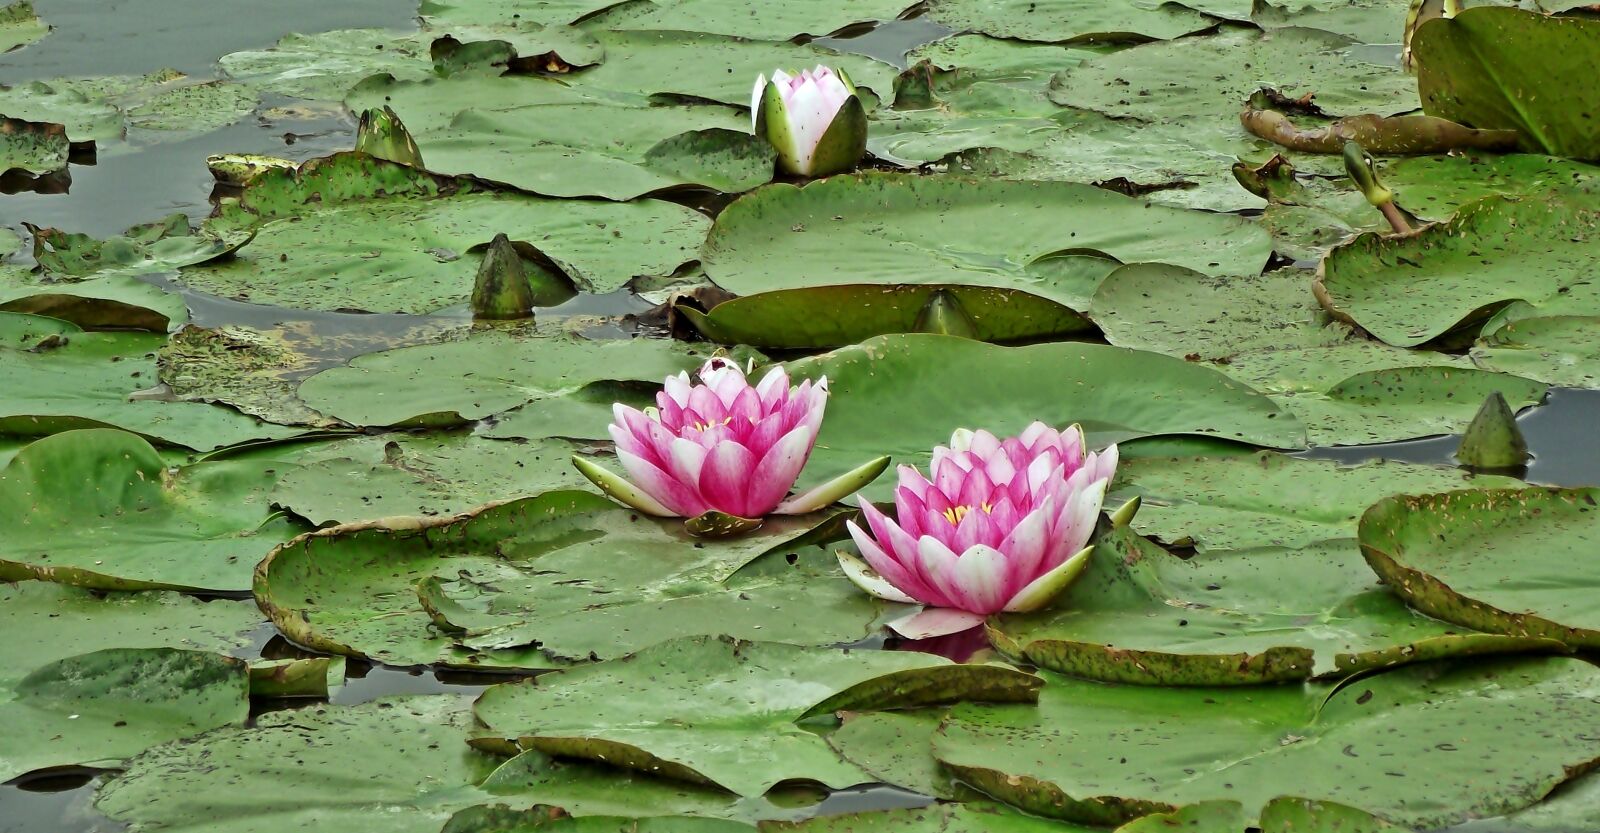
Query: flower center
x,y
955,513
706,426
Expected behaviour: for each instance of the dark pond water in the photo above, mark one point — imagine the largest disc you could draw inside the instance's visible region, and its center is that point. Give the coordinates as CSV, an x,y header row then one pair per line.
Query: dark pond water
x,y
133,184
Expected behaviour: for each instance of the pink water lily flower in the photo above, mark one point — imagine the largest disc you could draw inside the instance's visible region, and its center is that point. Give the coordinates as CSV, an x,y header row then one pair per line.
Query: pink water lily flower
x,y
813,118
722,446
1002,525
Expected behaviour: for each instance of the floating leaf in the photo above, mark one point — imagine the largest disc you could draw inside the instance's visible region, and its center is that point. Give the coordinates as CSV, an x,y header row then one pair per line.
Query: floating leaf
x,y
86,380
938,818
1068,20
20,26
896,748
102,707
251,370
47,622
420,475
144,249
393,239
117,302
1559,349
543,582
1267,499
1240,617
899,229
1486,737
892,395
726,712
1500,560
1411,289
1487,67
100,508
391,766
28,146
488,372
834,316
748,18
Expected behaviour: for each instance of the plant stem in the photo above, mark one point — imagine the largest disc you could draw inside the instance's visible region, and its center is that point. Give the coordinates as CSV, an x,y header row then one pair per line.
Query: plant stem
x,y
1391,212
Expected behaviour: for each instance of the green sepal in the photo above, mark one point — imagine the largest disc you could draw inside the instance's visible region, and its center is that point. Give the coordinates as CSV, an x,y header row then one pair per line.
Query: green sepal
x,y
1493,439
381,134
502,291
843,143
772,123
943,314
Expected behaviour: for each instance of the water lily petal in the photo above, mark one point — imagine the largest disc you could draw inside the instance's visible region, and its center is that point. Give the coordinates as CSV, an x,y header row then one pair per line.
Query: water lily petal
x,y
683,500
864,577
981,578
619,489
725,479
935,621
775,472
1045,588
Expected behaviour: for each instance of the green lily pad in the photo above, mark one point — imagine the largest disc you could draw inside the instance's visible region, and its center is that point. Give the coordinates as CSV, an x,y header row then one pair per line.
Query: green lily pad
x,y
1241,617
446,13
391,766
143,249
1560,349
700,64
96,709
1486,737
117,302
903,394
83,380
186,109
833,316
1486,67
1265,332
1069,20
420,475
500,819
1500,560
721,711
582,414
939,818
488,372
748,18
49,622
100,508
900,229
394,239
1268,499
1408,290
29,146
897,748
543,582
252,370
20,25
590,789
86,116
165,105
1204,80
1569,807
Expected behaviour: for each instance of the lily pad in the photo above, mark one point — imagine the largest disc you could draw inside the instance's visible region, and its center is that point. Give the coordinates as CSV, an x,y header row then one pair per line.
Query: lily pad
x,y
833,316
20,25
1487,67
32,147
1411,289
88,380
49,622
895,395
421,475
1240,617
748,18
102,707
1501,560
939,818
897,748
398,765
116,302
543,582
500,819
350,232
100,508
161,246
582,414
699,64
1560,349
1486,737
252,370
1196,81
488,372
1069,20
1268,499
900,229
164,105
445,13
1265,332
726,712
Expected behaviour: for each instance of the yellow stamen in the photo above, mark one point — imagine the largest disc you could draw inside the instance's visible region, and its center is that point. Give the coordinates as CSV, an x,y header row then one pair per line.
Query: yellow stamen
x,y
955,513
706,426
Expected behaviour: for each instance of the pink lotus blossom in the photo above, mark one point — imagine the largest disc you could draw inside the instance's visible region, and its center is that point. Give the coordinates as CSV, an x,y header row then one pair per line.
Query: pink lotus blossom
x,y
1003,525
722,446
813,118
